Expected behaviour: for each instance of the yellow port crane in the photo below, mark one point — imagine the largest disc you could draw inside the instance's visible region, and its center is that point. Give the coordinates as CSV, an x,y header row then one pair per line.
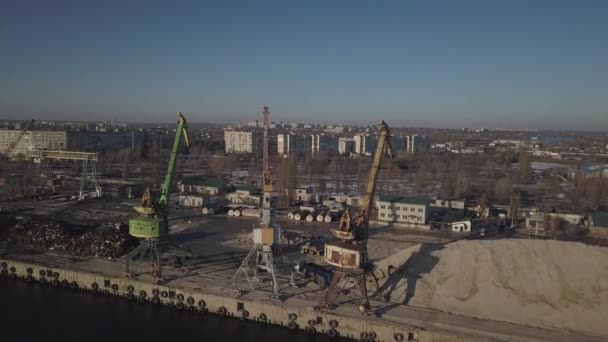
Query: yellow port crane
x,y
349,252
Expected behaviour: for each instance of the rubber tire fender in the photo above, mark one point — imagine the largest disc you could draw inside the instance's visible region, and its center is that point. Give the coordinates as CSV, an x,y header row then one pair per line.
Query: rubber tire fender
x,y
222,311
399,337
332,333
164,294
94,286
311,330
333,323
190,301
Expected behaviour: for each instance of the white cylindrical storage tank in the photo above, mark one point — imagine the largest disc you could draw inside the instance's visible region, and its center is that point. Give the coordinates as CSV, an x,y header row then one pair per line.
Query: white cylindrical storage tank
x,y
237,212
302,214
206,211
330,217
313,215
292,214
321,216
231,212
251,212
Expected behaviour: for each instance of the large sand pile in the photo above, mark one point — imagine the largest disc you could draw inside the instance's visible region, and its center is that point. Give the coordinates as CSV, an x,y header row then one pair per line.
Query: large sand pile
x,y
553,284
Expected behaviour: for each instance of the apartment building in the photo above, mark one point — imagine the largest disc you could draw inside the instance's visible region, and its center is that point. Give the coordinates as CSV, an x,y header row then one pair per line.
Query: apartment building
x,y
346,145
321,143
365,144
290,143
33,140
243,141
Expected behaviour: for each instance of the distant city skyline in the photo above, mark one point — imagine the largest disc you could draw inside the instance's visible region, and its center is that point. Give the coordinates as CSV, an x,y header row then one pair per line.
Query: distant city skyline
x,y
445,64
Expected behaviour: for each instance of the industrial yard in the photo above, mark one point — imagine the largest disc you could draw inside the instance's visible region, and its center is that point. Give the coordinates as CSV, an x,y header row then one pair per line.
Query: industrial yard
x,y
364,263
430,284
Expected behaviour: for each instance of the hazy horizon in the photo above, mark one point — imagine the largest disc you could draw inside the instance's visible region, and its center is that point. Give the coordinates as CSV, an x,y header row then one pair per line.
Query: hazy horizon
x,y
437,64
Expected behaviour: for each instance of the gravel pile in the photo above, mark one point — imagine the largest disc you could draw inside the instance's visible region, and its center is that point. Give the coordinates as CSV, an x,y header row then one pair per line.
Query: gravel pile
x,y
110,240
551,284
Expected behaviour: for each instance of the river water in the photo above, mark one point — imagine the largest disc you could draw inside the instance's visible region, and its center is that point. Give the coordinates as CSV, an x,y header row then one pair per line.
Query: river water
x,y
32,312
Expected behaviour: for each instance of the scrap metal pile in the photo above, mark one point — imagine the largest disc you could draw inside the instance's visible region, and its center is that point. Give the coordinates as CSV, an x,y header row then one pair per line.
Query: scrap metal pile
x,y
109,240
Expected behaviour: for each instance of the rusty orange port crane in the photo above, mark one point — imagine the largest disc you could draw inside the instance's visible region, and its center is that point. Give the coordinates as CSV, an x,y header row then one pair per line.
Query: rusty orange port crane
x,y
349,251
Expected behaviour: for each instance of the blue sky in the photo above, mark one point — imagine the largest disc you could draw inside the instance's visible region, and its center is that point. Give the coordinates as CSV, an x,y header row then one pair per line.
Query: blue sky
x,y
510,64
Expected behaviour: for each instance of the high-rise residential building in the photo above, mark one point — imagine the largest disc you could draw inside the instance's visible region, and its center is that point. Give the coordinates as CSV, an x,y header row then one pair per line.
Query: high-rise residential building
x,y
290,143
365,144
33,140
321,143
103,141
243,141
346,145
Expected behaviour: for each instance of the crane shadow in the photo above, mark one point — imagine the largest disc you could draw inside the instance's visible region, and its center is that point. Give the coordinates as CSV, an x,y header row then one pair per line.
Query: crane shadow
x,y
418,264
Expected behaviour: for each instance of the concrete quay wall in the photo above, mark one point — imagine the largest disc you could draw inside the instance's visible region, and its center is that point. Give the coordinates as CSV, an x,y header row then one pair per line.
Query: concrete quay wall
x,y
359,327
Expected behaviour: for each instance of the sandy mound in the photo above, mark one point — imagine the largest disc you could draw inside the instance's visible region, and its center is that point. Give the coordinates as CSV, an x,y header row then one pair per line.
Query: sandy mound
x,y
553,284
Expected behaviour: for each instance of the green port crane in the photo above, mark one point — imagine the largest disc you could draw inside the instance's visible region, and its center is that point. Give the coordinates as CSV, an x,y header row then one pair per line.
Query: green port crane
x,y
152,226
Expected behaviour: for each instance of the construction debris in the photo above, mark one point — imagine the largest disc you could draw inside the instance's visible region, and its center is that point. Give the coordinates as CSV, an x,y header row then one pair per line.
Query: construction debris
x,y
109,240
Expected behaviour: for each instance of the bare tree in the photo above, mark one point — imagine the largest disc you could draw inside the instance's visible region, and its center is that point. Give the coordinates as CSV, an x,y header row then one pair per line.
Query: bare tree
x,y
421,179
218,165
525,169
502,190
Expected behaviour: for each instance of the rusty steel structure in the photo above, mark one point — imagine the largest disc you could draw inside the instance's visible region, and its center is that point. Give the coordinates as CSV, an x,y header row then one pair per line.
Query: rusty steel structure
x,y
349,252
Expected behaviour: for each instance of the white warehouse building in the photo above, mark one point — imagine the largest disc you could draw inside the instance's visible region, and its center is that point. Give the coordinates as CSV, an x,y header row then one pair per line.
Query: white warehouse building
x,y
411,210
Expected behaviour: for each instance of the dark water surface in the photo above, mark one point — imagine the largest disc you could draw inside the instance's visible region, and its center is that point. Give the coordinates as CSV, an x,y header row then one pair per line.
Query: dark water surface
x,y
32,312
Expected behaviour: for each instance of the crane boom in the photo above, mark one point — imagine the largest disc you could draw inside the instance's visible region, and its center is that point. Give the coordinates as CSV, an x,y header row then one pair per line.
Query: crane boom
x,y
384,146
356,228
14,144
350,254
155,222
182,129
